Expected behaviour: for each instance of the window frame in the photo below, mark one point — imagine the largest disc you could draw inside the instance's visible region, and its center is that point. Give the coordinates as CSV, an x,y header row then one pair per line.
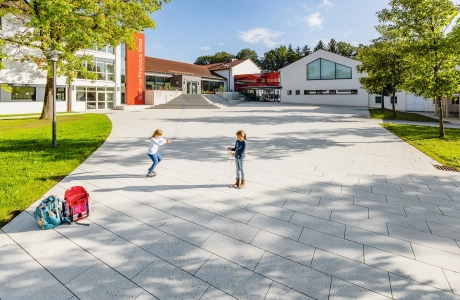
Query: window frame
x,y
289,92
33,96
375,99
335,70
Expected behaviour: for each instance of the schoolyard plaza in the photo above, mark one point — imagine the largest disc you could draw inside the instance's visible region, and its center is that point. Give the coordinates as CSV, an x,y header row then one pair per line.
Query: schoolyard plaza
x,y
336,207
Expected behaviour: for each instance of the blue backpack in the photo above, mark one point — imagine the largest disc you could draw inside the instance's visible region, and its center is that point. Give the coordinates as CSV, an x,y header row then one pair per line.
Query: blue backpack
x,y
50,213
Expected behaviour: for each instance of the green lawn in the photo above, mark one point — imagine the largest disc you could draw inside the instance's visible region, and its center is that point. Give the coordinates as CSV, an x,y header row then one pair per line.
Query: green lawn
x,y
400,115
444,150
29,166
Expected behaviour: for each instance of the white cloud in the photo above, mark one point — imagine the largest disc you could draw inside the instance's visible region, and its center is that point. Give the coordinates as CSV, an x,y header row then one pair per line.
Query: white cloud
x,y
354,43
261,35
326,4
348,32
205,48
289,23
314,21
304,6
221,44
288,9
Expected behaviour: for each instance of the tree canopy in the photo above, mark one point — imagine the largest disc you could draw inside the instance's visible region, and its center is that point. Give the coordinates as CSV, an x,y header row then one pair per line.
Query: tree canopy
x,y
430,37
385,69
70,27
248,54
219,57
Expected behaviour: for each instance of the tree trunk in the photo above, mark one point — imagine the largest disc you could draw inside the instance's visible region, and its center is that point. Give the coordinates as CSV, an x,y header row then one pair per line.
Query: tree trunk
x,y
383,100
47,111
441,121
393,102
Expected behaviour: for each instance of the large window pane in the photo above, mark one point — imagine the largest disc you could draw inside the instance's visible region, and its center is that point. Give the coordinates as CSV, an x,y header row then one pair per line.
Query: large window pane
x,y
327,69
313,70
81,96
23,93
60,93
101,100
343,72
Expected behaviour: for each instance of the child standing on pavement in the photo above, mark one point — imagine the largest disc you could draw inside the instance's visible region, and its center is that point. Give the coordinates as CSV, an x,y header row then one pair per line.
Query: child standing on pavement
x,y
240,154
155,141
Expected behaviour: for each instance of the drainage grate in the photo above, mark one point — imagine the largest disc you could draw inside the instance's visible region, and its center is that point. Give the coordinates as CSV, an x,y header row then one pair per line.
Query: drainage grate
x,y
444,168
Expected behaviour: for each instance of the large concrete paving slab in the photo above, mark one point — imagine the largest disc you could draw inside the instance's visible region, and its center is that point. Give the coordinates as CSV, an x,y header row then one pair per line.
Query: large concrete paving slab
x,y
335,207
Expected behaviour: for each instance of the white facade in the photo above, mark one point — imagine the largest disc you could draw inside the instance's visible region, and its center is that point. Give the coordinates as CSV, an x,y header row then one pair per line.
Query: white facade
x,y
296,88
404,102
245,67
28,82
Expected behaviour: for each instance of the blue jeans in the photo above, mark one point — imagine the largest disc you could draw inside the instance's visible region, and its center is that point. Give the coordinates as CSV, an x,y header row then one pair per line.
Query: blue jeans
x,y
156,158
239,168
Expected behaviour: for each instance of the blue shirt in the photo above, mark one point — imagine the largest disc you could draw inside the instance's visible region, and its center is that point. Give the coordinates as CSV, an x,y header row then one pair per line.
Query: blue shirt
x,y
240,148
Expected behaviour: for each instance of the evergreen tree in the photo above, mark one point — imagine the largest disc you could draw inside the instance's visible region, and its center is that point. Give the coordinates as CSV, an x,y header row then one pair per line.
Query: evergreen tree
x,y
332,46
319,46
306,50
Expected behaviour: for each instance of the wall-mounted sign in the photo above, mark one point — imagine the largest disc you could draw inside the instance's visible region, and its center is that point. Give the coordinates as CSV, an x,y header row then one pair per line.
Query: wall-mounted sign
x,y
135,72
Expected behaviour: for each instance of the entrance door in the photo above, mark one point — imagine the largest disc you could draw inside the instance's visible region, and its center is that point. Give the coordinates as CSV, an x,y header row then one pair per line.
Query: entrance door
x,y
191,87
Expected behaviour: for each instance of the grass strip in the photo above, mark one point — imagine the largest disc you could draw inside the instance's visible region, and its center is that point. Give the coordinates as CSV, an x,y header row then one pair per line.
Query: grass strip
x,y
29,166
387,114
444,150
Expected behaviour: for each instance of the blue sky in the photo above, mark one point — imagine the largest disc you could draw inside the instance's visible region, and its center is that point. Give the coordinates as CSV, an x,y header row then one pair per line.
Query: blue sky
x,y
186,29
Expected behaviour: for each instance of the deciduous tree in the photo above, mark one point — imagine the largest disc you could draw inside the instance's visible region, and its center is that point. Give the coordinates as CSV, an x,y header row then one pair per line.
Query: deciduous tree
x,y
385,69
203,60
70,26
248,54
430,34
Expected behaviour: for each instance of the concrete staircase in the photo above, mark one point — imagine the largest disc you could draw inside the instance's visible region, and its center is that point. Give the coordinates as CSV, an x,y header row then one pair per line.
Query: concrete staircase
x,y
189,101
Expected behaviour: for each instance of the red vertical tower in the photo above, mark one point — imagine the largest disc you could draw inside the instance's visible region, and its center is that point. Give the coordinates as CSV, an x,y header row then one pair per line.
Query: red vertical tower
x,y
135,72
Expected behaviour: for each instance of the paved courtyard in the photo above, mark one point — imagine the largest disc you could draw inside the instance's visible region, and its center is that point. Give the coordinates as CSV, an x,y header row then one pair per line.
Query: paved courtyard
x,y
335,207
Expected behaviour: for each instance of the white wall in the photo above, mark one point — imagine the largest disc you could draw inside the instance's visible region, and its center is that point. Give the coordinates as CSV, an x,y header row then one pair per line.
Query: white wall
x,y
246,67
28,107
156,97
294,77
402,103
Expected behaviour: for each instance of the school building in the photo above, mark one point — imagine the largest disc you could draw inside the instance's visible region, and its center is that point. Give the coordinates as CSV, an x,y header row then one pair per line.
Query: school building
x,y
129,78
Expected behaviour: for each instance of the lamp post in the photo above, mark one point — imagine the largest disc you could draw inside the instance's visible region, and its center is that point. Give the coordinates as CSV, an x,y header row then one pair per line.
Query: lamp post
x,y
54,56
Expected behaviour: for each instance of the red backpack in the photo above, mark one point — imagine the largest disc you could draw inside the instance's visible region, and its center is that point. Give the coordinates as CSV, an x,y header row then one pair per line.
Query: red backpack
x,y
77,203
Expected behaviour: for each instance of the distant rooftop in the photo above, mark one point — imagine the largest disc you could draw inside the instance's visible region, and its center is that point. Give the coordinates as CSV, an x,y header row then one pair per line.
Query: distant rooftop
x,y
159,65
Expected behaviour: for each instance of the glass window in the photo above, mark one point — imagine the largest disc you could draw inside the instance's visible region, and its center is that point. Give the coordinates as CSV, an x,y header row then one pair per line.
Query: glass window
x,y
110,49
327,69
23,93
123,71
305,92
332,92
123,51
342,72
123,95
297,92
378,99
289,92
81,96
313,70
60,93
395,99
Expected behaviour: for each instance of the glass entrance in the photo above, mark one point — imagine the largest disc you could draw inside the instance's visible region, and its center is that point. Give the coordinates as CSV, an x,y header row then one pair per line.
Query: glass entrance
x,y
96,98
191,87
